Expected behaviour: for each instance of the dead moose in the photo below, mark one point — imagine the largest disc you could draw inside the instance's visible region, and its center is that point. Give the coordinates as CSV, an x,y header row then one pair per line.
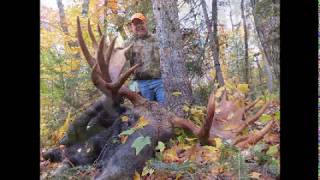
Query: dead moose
x,y
94,135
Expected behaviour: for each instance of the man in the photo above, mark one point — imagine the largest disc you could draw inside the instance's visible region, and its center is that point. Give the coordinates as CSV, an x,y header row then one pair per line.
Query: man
x,y
145,50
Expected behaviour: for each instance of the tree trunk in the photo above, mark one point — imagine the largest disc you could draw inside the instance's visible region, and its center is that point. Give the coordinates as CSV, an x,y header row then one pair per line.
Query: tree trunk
x,y
172,61
260,71
230,14
69,96
269,75
85,8
266,20
213,36
62,17
246,58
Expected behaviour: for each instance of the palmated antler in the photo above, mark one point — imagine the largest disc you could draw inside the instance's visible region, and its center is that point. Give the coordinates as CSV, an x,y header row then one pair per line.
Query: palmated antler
x,y
226,121
108,64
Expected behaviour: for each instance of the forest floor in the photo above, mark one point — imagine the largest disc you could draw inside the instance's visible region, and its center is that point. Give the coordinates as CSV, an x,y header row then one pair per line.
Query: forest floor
x,y
184,158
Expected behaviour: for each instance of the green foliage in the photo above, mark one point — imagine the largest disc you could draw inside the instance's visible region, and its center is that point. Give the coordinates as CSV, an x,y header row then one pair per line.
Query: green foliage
x,y
239,166
140,143
227,152
265,118
272,150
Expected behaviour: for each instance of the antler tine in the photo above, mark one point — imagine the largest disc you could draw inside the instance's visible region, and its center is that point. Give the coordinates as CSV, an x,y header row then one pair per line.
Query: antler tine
x,y
249,106
186,124
205,129
239,139
90,59
124,77
253,118
102,63
98,81
93,39
99,30
256,137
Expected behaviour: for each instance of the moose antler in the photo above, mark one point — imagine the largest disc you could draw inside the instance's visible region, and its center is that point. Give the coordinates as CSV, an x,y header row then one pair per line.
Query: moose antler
x,y
108,65
225,121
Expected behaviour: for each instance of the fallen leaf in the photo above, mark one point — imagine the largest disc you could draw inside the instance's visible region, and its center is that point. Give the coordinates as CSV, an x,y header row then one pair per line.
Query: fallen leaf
x,y
146,170
219,92
272,150
264,118
127,132
255,175
191,139
277,116
136,176
123,139
124,118
244,88
140,143
185,108
141,123
161,146
177,93
170,155
218,142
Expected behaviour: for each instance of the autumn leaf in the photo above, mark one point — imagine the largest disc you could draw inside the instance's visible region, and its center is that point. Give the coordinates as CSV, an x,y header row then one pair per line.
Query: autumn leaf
x,y
123,139
124,135
217,170
264,118
140,143
179,175
59,134
244,88
170,155
127,132
185,108
272,150
211,148
191,139
255,175
277,116
147,170
124,118
141,123
177,93
229,86
218,142
212,74
219,92
161,146
136,176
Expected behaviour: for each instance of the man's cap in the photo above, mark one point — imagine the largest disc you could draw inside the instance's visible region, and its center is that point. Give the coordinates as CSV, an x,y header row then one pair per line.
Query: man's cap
x,y
138,16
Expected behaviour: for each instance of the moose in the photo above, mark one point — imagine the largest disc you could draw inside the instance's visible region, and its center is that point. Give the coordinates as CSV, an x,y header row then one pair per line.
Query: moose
x,y
94,135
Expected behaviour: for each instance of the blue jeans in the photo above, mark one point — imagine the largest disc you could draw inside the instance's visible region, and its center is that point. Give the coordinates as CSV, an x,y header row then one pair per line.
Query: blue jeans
x,y
153,90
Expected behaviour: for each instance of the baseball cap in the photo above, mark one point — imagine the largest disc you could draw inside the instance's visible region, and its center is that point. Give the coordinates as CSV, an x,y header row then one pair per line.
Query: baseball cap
x,y
138,16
